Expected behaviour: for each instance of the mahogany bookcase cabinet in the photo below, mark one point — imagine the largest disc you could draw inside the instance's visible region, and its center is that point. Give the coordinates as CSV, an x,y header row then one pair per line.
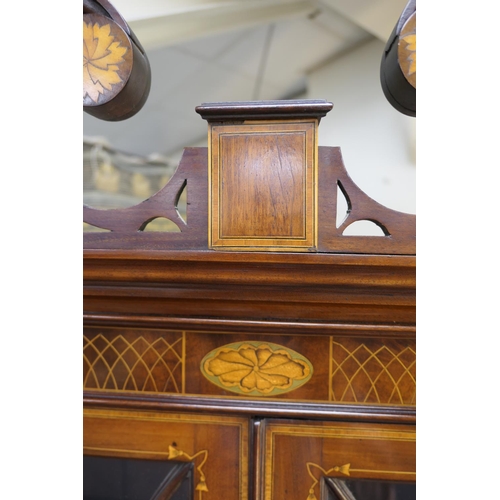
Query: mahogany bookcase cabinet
x,y
258,352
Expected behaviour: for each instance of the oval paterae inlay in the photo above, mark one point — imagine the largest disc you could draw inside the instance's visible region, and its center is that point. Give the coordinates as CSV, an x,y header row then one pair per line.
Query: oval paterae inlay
x,y
256,368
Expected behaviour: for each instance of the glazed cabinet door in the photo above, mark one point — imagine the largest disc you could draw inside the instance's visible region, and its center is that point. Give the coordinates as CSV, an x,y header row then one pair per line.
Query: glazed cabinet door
x,y
308,460
118,478
359,489
165,456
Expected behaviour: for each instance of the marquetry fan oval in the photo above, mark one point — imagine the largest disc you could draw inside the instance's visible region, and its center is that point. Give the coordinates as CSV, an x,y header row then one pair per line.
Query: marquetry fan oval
x,y
107,59
256,368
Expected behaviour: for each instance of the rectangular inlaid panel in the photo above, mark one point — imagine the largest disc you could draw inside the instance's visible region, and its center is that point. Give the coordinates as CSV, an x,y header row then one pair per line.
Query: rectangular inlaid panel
x,y
371,370
132,359
296,455
251,205
216,445
263,185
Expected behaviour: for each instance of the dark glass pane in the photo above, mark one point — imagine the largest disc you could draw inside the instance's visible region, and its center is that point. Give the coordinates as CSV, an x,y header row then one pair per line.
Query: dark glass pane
x,y
106,478
365,489
382,490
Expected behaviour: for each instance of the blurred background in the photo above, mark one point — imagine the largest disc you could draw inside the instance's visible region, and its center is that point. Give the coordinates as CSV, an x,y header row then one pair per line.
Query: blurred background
x,y
240,50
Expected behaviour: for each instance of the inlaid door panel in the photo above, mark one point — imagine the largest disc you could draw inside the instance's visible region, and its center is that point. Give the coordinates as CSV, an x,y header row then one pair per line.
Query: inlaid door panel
x,y
217,446
297,457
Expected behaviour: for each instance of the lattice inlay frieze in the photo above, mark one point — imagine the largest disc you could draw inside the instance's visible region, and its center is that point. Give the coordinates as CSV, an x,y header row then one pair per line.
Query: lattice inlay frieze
x,y
132,361
373,372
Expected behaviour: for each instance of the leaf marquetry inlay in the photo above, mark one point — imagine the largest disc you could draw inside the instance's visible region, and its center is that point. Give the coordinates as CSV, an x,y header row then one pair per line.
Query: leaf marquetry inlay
x,y
341,469
407,50
174,453
107,58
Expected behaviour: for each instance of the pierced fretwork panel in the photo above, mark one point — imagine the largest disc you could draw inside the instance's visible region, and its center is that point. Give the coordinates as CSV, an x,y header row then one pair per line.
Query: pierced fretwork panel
x,y
133,227
395,230
173,218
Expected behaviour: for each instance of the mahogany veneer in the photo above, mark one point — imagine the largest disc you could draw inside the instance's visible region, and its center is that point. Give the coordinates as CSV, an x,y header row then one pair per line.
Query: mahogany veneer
x,y
260,344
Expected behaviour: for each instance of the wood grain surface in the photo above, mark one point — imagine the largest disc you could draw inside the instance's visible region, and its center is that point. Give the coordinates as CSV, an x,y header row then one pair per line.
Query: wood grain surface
x,y
267,370
263,185
126,226
296,455
219,286
216,445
